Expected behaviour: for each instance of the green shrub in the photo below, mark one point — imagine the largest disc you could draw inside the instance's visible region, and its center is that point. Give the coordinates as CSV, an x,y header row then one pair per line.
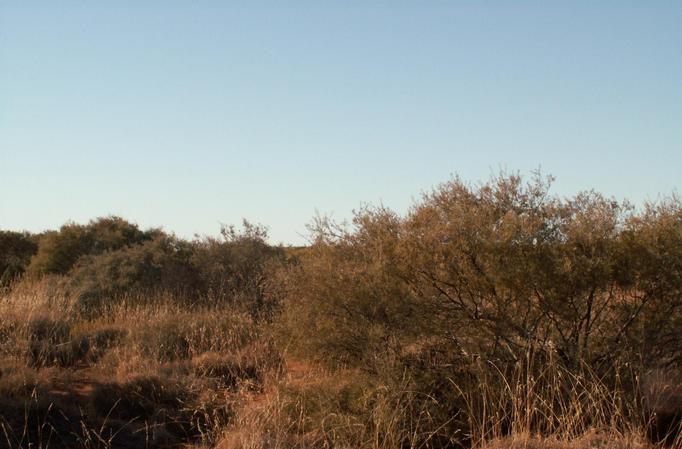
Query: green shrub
x,y
58,251
16,250
110,258
161,264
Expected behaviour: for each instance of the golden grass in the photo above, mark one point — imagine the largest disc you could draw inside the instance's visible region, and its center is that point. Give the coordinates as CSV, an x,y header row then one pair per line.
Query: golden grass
x,y
149,371
591,440
155,372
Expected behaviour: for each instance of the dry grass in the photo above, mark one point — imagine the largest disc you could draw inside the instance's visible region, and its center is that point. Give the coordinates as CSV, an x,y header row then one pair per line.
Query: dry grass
x,y
591,440
155,372
318,409
150,372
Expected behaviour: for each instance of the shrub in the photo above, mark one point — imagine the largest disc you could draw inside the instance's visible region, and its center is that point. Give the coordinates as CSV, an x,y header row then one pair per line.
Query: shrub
x,y
58,251
16,250
229,371
159,264
236,268
501,276
141,398
51,342
499,271
186,335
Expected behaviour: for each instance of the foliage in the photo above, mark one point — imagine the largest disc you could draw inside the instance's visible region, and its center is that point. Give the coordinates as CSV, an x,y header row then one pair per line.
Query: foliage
x,y
59,250
497,270
237,267
162,263
16,250
108,258
493,314
499,275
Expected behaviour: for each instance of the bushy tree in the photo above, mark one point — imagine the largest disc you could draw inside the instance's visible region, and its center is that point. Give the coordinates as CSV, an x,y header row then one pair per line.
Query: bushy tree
x,y
232,269
490,295
16,250
652,248
161,264
59,250
236,267
501,270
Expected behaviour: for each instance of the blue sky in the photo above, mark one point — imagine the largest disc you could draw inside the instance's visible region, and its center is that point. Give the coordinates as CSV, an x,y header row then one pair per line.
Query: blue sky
x,y
190,114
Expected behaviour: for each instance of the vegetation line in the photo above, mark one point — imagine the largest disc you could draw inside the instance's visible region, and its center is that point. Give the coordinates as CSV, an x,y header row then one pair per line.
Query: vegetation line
x,y
490,316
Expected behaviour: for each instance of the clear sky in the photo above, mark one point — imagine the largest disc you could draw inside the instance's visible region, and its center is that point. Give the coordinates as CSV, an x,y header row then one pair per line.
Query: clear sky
x,y
186,114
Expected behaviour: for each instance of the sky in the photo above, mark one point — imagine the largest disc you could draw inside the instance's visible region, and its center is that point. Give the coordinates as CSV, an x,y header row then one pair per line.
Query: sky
x,y
187,115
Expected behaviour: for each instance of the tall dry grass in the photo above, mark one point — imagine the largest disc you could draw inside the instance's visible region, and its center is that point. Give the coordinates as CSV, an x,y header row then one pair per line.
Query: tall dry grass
x,y
547,407
157,371
147,371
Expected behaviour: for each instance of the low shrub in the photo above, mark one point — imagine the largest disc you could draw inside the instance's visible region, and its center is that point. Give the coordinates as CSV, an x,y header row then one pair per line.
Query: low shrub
x,y
142,398
51,343
240,371
185,335
171,411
